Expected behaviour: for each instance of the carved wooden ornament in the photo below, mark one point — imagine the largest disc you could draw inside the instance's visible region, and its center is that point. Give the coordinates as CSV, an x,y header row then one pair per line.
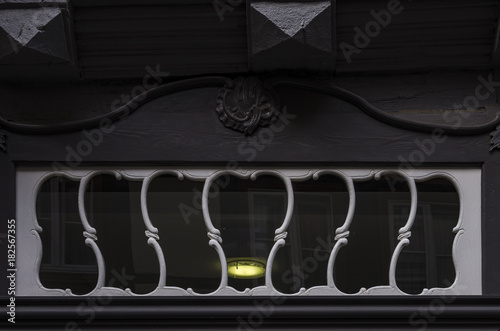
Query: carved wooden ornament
x,y
245,105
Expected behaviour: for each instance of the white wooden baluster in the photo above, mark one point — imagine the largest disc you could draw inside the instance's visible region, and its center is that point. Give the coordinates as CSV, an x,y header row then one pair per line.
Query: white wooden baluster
x,y
464,251
214,233
90,234
341,233
38,229
151,231
280,233
458,264
403,237
216,240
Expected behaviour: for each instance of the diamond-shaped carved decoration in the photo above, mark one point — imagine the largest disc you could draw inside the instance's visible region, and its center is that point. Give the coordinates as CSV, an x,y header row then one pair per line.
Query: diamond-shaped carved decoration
x,y
33,36
292,35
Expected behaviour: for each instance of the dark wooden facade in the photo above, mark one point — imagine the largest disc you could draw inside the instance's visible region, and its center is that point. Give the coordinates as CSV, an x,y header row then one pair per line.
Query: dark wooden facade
x,y
324,123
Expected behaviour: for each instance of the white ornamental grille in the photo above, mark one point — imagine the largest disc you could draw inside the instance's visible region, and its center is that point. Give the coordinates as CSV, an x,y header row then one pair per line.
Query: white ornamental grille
x,y
466,245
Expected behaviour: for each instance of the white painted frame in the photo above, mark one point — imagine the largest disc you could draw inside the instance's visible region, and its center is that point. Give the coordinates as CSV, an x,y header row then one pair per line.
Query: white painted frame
x,y
466,245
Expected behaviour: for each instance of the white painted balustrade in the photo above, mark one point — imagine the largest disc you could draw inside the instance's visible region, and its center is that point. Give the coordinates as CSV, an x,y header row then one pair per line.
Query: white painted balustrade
x,y
466,247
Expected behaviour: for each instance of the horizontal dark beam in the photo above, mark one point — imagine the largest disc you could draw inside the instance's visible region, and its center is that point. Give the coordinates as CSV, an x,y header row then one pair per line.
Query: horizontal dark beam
x,y
267,312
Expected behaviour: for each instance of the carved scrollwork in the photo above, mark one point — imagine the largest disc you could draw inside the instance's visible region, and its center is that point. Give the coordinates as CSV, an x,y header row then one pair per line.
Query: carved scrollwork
x,y
495,139
245,105
464,249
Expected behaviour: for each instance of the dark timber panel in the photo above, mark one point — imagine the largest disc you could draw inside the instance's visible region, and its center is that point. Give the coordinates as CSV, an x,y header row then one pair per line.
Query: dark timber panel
x,y
7,212
491,228
184,127
423,35
258,313
185,38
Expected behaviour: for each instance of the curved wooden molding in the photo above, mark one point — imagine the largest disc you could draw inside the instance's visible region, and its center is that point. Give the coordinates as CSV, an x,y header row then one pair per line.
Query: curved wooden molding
x,y
378,114
227,83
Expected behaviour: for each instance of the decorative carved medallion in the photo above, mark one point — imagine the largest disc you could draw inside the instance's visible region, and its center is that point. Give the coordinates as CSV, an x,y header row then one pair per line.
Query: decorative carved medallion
x,y
245,105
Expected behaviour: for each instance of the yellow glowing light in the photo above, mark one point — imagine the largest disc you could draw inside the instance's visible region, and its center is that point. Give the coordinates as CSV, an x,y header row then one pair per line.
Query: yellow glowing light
x,y
245,268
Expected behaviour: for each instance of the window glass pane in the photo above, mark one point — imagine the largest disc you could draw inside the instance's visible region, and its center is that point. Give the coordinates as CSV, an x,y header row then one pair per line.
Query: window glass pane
x,y
410,272
113,207
175,210
73,251
427,261
365,260
320,207
66,262
247,213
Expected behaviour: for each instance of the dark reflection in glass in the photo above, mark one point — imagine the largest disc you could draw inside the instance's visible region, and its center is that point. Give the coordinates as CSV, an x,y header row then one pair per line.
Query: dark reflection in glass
x,y
66,261
175,209
365,261
113,209
247,213
427,261
320,207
